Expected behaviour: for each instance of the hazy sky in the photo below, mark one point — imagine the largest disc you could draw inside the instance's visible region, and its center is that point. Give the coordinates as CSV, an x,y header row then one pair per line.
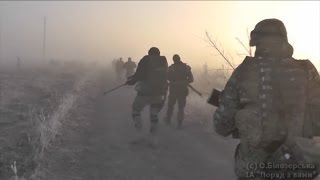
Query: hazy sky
x,y
109,29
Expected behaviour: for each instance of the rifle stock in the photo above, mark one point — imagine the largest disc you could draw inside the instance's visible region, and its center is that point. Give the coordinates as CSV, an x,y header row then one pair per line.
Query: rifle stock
x,y
214,100
214,97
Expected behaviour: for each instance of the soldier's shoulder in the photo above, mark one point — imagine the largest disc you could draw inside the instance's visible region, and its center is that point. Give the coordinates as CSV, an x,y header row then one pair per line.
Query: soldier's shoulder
x,y
248,60
145,57
163,58
187,66
306,64
143,60
172,67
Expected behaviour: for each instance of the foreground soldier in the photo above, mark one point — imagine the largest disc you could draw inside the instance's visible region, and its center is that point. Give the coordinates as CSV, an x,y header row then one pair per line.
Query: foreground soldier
x,y
152,86
129,66
267,99
179,77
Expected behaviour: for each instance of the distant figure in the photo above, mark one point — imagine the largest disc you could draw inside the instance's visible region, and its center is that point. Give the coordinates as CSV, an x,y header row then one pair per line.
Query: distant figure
x,y
119,69
114,64
205,70
179,77
18,63
53,62
152,87
129,67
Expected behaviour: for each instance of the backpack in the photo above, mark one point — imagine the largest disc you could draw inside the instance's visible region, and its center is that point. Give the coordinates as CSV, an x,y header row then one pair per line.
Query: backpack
x,y
312,117
155,82
294,100
306,149
179,72
303,153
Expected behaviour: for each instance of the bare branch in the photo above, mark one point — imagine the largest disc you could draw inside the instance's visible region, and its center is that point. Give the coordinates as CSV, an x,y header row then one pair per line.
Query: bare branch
x,y
214,45
248,50
248,36
220,69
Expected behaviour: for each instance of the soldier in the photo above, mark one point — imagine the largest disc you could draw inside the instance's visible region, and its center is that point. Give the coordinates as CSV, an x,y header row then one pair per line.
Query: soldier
x,y
179,76
119,69
129,66
265,101
18,63
152,86
205,71
114,65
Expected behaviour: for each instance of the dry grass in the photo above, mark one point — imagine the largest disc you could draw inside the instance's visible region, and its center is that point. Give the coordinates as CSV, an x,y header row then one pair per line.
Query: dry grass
x,y
47,125
33,105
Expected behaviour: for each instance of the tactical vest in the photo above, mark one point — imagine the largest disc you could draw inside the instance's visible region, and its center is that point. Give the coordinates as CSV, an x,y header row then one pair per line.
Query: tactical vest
x,y
275,99
178,79
312,118
273,96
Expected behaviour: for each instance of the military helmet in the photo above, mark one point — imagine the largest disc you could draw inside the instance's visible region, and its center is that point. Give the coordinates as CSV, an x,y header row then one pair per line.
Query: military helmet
x,y
268,27
154,51
176,57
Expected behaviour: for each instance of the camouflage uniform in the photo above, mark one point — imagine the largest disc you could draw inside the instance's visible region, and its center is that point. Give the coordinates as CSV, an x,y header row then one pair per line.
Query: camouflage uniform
x,y
156,103
129,66
179,76
265,100
152,86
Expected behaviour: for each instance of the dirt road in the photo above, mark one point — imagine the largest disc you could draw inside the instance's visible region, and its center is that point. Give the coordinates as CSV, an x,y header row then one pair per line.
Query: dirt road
x,y
96,146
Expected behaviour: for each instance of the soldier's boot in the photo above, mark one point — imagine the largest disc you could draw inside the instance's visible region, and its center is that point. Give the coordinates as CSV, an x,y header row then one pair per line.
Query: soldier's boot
x,y
167,119
153,136
154,128
139,138
180,118
137,122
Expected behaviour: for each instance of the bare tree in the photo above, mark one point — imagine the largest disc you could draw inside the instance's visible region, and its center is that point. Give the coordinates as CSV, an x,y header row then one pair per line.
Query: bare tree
x,y
248,47
220,50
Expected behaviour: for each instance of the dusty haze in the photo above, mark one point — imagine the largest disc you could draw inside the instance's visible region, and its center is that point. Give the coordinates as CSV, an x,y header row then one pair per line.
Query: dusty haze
x,y
56,122
109,29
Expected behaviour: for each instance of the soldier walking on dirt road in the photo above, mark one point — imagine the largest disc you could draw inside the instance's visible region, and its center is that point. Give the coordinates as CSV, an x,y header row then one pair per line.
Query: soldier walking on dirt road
x,y
18,63
179,76
129,67
119,69
151,76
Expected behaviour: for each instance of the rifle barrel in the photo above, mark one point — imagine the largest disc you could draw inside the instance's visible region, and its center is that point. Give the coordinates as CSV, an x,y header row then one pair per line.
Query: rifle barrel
x,y
196,91
114,88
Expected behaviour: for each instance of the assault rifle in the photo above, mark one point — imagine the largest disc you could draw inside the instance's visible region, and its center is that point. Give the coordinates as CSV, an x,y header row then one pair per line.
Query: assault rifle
x,y
114,88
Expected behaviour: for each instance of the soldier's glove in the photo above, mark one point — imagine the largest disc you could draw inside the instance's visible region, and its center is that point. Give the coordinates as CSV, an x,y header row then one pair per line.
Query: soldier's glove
x,y
130,81
130,77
